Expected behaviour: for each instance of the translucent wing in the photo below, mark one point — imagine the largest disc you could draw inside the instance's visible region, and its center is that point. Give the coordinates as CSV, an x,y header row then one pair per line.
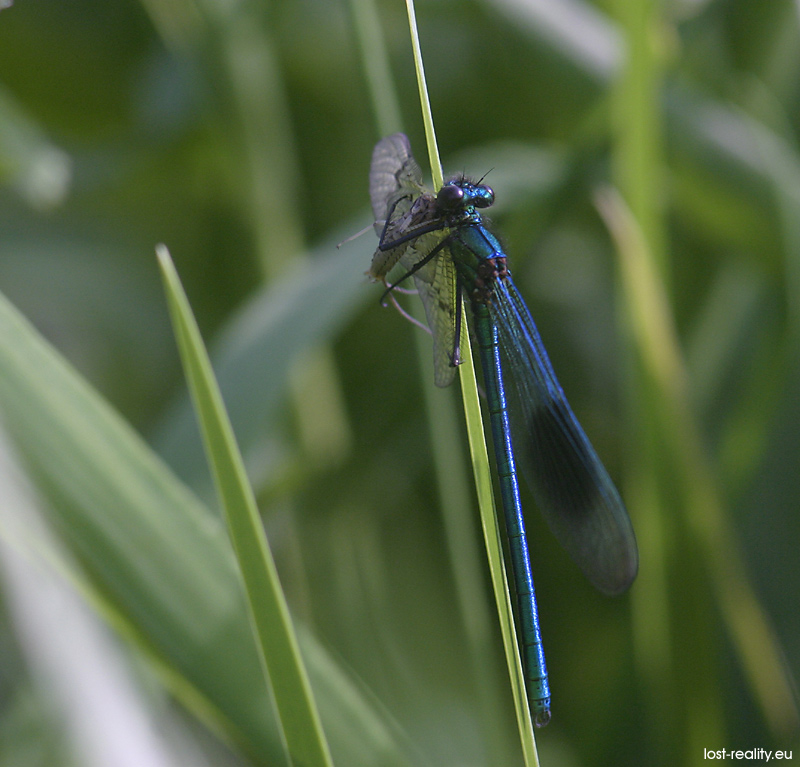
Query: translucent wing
x,y
571,486
400,204
399,200
436,283
393,170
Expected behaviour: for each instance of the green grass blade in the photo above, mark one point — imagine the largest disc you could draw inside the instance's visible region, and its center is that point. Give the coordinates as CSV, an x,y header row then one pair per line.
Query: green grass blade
x,y
157,558
159,564
424,99
480,458
494,552
452,478
269,612
254,351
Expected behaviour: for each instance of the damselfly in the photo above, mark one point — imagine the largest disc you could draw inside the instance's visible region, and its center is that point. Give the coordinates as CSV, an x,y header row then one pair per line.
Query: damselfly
x,y
442,241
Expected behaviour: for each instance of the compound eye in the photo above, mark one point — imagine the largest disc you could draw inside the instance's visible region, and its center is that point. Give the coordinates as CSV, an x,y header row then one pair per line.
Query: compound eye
x,y
486,197
450,196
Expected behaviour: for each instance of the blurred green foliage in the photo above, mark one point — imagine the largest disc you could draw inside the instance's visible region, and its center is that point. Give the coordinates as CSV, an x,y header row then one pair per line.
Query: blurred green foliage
x,y
240,133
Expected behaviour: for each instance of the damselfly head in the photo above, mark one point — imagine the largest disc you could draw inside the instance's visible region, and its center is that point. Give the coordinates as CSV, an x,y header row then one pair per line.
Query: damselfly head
x,y
482,196
450,197
459,194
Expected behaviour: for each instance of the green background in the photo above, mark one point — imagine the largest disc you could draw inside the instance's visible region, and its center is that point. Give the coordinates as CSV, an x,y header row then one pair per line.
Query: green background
x,y
239,133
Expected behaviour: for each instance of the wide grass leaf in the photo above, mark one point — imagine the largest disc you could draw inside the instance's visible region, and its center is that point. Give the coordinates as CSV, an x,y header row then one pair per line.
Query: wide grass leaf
x,y
269,612
159,558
